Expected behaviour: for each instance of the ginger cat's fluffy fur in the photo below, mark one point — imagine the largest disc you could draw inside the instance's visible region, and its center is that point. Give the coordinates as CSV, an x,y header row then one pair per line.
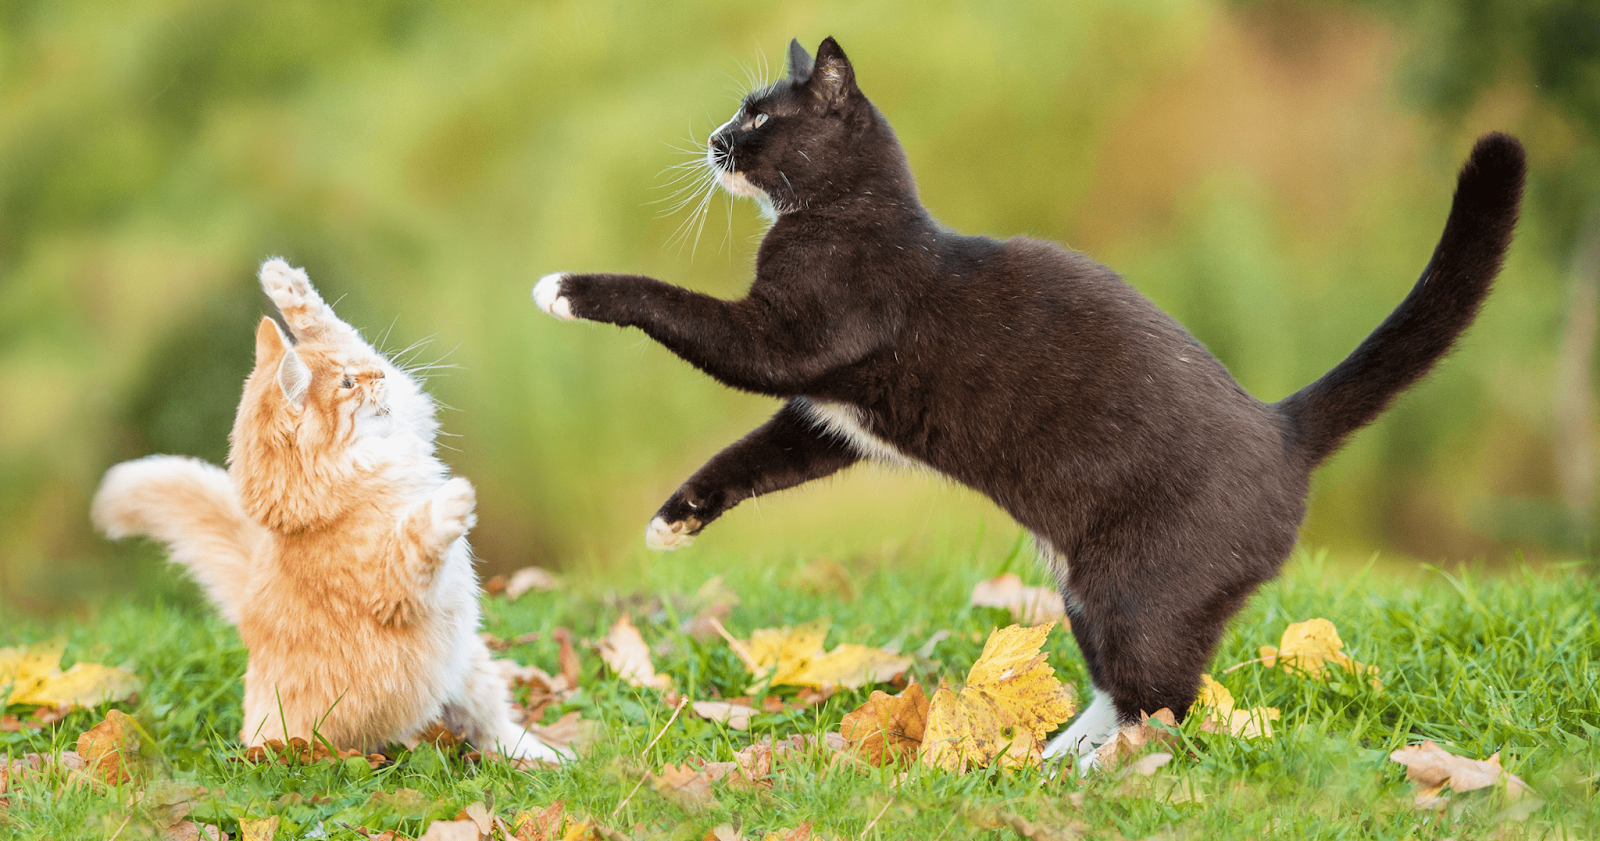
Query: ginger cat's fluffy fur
x,y
335,541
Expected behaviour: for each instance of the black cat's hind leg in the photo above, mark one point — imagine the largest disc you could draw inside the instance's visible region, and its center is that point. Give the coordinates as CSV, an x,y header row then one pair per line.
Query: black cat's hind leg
x,y
787,450
1145,644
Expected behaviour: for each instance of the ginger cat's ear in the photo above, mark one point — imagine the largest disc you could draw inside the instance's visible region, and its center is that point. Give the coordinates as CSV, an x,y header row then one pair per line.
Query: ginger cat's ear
x,y
269,341
293,377
272,347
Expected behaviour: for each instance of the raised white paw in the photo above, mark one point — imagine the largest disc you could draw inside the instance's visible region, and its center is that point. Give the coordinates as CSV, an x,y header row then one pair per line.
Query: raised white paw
x,y
663,536
452,508
291,292
547,294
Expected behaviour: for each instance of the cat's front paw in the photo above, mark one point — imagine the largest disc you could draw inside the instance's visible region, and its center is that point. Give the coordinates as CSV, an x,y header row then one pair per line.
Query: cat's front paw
x,y
547,293
663,536
291,292
453,504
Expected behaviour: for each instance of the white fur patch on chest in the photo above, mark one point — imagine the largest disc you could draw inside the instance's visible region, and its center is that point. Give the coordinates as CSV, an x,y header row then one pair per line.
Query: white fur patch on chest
x,y
844,420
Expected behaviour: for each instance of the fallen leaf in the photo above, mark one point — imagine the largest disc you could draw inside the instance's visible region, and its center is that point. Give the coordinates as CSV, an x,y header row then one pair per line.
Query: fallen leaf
x,y
1130,741
529,578
478,813
450,831
1306,647
111,748
570,731
497,644
541,826
258,829
34,675
1147,764
687,788
1012,700
794,657
1028,605
723,832
736,716
1433,768
624,651
888,728
571,670
1215,703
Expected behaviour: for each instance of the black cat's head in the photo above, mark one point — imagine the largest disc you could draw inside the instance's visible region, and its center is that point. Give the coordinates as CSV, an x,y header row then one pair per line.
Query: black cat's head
x,y
809,140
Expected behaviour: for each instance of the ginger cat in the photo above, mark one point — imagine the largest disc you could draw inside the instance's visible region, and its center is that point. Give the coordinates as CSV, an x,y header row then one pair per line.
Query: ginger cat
x,y
336,542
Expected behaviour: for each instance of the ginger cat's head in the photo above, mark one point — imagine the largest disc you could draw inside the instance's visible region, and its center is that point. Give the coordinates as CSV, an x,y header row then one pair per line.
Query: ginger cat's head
x,y
304,410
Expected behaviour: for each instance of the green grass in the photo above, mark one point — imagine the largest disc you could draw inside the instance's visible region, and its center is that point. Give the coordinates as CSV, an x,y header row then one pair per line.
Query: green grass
x,y
1480,664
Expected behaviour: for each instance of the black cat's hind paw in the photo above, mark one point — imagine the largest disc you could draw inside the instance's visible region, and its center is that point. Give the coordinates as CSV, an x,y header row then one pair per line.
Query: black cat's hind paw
x,y
664,536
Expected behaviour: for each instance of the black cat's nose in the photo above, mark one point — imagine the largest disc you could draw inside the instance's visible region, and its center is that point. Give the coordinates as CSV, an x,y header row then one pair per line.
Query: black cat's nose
x,y
719,144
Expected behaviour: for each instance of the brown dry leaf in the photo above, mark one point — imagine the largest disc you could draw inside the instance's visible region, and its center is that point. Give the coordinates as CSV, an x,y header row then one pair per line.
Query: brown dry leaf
x,y
191,831
570,731
794,657
1028,605
1433,768
723,832
736,716
1216,703
478,813
258,829
687,788
624,651
541,826
1306,647
451,831
498,644
888,728
1133,739
529,578
33,672
712,604
1012,700
571,670
111,748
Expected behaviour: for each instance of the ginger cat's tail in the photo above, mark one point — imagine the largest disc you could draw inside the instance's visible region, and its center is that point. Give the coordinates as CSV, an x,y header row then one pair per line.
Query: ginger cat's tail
x,y
190,506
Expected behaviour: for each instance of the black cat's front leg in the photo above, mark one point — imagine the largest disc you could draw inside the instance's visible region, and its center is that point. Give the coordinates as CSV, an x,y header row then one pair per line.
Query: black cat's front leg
x,y
787,450
755,344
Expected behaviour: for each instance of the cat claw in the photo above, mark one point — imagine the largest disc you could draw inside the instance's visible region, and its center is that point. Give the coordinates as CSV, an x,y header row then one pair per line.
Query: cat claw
x,y
547,294
663,536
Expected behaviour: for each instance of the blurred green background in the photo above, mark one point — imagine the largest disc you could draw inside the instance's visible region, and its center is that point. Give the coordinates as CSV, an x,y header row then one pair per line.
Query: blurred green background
x,y
1274,174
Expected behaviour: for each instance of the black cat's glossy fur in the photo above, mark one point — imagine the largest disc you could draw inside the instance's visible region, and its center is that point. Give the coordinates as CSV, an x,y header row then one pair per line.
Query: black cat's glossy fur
x,y
1160,492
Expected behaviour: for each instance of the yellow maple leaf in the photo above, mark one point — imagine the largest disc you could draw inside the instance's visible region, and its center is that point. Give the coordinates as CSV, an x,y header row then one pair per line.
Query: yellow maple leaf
x,y
1215,702
1306,647
795,657
34,675
1012,700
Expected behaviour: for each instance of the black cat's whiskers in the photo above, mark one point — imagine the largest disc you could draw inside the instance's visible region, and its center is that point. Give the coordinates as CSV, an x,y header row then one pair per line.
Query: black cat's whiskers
x,y
694,185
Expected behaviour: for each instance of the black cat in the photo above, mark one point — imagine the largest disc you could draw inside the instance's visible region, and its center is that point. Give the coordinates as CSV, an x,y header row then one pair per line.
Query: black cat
x,y
1160,493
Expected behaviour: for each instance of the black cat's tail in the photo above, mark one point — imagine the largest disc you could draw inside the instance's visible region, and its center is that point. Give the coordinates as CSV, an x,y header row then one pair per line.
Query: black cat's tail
x,y
1424,327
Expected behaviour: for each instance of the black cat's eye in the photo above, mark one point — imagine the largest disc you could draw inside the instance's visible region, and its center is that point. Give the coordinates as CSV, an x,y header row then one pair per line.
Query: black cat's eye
x,y
756,121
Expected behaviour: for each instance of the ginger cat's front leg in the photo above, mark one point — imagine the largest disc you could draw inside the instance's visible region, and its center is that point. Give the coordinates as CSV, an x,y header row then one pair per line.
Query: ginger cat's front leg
x,y
418,546
308,316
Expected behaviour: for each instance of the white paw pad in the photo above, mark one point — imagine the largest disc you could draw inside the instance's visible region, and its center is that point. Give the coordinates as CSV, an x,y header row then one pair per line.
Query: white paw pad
x,y
663,536
547,294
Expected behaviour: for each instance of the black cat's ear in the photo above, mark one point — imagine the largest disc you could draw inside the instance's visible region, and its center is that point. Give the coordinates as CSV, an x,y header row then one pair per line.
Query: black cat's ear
x,y
832,78
799,62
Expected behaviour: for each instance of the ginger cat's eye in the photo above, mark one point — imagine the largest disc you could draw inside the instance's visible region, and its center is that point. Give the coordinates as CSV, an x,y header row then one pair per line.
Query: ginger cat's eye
x,y
348,383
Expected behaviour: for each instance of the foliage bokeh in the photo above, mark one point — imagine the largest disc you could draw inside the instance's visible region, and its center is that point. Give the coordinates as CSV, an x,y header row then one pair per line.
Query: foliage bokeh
x,y
1274,174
